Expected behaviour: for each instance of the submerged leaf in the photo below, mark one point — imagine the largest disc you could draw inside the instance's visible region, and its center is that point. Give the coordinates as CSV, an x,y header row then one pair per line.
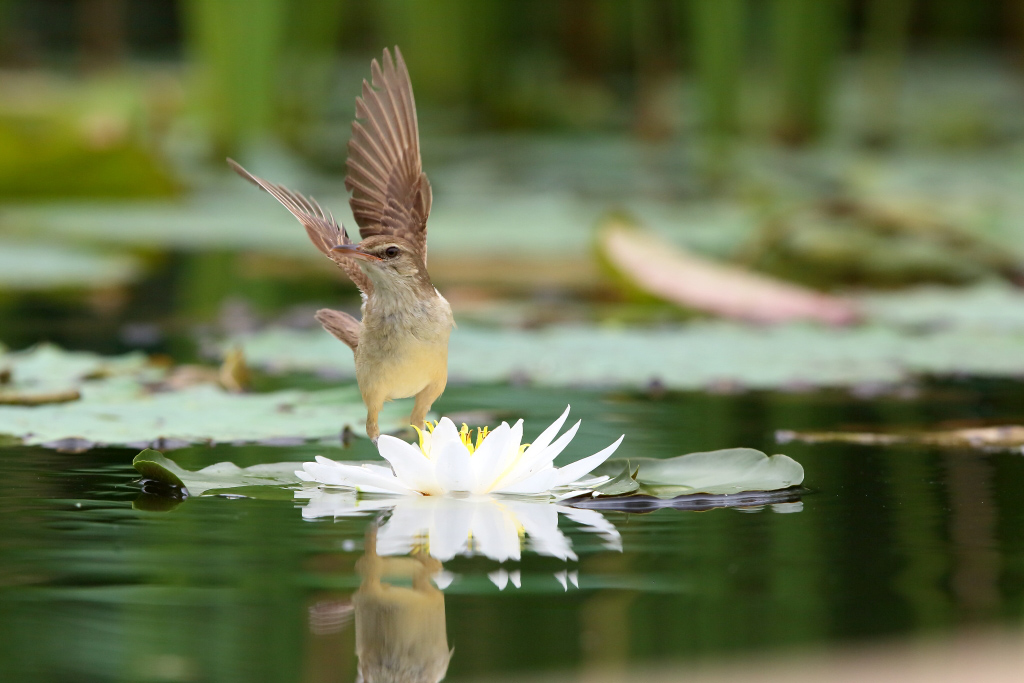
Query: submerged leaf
x,y
996,437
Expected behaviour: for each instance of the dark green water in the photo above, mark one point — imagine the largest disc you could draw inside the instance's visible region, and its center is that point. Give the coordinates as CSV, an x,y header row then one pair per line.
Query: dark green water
x,y
890,542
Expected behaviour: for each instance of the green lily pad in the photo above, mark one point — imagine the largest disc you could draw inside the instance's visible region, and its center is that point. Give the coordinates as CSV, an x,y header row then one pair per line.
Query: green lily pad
x,y
728,471
123,414
694,356
223,475
994,306
621,484
48,368
117,405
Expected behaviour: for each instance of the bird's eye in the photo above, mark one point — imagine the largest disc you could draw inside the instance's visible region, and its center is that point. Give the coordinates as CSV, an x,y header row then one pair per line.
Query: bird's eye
x,y
391,252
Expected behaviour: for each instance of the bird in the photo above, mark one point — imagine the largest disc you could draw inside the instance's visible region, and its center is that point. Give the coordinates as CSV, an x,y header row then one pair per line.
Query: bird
x,y
401,344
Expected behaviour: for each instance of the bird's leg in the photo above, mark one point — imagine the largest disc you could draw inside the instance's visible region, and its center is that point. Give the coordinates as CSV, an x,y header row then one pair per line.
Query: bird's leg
x,y
373,406
424,400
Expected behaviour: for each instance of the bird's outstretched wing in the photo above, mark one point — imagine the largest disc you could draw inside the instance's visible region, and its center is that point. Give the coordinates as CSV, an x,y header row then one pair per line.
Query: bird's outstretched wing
x,y
390,192
323,230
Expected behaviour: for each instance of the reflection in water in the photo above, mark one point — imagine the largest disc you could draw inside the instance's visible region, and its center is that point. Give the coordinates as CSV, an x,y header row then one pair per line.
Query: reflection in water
x,y
495,527
400,630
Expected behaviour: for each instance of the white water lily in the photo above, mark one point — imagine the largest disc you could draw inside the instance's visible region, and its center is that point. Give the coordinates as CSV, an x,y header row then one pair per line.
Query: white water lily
x,y
449,461
498,528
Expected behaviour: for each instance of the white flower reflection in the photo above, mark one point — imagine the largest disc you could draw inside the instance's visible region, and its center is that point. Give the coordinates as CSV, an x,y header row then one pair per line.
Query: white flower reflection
x,y
497,528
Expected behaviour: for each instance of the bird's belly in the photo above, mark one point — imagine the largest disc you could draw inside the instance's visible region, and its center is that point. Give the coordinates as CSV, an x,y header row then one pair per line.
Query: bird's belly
x,y
400,371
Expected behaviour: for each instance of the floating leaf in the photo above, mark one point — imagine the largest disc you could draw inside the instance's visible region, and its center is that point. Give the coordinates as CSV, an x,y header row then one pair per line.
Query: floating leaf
x,y
119,407
223,475
733,470
694,356
620,485
117,414
153,465
728,471
994,306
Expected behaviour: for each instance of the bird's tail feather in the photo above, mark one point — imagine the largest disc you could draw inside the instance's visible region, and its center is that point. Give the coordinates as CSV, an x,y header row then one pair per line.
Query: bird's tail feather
x,y
341,325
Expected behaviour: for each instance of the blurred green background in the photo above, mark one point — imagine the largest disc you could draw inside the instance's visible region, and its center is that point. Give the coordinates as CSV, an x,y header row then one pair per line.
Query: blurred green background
x,y
658,69
836,143
868,149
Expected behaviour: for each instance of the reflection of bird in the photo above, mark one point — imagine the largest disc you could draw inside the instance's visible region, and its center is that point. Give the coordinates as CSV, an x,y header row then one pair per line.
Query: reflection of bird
x,y
401,345
400,630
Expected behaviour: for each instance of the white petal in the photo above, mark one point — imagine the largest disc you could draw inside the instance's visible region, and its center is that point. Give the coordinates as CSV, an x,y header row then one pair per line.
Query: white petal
x,y
561,578
533,461
494,531
359,478
540,521
516,578
539,482
444,432
574,577
449,528
545,437
555,449
508,460
452,465
406,528
326,503
412,468
488,458
571,494
443,579
499,577
580,468
596,523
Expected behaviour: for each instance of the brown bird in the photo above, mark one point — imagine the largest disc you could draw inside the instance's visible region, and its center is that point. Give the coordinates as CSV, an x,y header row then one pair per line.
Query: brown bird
x,y
401,344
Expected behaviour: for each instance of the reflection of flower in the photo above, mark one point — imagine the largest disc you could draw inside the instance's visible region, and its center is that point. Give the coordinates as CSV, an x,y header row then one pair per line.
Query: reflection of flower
x,y
449,461
446,527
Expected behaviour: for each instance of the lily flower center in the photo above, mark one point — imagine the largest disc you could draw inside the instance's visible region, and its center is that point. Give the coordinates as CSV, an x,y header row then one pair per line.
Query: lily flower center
x,y
465,434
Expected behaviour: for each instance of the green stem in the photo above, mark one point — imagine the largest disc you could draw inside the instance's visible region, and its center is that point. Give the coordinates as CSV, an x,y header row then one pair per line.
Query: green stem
x,y
807,37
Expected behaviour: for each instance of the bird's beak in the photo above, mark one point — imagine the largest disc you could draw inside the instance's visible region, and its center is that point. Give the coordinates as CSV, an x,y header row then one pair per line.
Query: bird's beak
x,y
354,251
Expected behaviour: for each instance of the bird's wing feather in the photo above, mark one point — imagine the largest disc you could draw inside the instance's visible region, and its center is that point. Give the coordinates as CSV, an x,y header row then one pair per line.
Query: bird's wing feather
x,y
390,193
341,325
324,232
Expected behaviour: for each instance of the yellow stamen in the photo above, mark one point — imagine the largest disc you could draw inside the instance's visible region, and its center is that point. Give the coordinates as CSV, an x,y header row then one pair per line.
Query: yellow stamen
x,y
420,434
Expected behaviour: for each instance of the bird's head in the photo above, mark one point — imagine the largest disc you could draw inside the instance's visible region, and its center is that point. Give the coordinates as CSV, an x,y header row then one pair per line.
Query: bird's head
x,y
386,258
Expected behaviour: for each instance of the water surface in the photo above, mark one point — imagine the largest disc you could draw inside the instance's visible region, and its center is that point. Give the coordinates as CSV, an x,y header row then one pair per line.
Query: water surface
x,y
102,582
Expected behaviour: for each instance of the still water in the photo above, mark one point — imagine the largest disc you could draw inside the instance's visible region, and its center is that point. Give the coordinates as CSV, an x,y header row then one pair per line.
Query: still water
x,y
100,581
